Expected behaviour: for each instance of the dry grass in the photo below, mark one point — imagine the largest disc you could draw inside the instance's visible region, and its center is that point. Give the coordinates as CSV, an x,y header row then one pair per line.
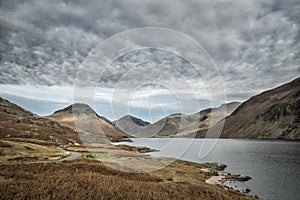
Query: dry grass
x,y
31,140
140,149
38,128
24,151
4,144
184,171
83,179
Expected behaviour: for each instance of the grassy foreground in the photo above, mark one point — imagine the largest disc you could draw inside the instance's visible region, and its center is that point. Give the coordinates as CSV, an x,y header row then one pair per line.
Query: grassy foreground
x,y
87,178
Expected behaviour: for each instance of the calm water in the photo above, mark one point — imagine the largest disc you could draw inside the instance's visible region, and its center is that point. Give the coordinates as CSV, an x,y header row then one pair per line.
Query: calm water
x,y
273,165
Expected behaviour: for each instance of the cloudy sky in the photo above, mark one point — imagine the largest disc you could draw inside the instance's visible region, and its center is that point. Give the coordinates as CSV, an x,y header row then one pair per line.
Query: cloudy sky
x,y
254,45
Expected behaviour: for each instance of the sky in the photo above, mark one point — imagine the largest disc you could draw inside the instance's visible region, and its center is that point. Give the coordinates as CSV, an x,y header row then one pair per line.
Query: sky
x,y
51,53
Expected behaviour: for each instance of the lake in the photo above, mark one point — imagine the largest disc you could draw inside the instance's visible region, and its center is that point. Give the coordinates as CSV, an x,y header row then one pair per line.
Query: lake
x,y
273,165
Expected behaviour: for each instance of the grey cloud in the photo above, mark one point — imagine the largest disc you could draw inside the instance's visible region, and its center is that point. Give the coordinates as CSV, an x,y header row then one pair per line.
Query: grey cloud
x,y
255,44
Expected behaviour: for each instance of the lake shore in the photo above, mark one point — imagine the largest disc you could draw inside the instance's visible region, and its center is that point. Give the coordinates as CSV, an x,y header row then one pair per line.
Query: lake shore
x,y
213,172
177,179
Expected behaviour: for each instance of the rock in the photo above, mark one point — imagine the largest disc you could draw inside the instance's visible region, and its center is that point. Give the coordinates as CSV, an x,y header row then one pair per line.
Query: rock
x,y
221,166
24,154
246,191
243,178
19,119
237,177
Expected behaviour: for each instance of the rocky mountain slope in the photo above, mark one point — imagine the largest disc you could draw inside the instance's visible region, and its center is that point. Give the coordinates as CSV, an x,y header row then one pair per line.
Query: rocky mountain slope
x,y
274,114
178,125
131,125
19,124
84,118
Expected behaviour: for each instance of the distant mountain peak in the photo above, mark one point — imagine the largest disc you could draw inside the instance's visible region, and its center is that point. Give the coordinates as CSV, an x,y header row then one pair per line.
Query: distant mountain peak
x,y
173,125
83,117
77,108
136,120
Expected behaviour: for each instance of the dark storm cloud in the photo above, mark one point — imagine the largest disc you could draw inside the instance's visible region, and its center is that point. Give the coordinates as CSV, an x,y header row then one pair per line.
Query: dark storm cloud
x,y
255,44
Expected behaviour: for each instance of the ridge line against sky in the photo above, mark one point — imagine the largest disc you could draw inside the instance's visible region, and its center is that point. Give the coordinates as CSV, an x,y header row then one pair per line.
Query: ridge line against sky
x,y
40,104
255,45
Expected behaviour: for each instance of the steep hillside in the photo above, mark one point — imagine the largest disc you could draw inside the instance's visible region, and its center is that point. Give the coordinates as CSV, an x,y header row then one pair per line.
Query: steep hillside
x,y
87,119
131,125
274,114
19,124
181,125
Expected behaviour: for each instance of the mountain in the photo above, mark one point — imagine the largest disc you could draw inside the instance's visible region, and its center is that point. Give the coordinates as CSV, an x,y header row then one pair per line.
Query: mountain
x,y
274,114
177,125
85,119
136,120
19,124
131,125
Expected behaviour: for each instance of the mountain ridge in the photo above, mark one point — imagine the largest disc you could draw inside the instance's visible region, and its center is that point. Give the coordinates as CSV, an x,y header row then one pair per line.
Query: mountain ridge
x,y
272,114
178,124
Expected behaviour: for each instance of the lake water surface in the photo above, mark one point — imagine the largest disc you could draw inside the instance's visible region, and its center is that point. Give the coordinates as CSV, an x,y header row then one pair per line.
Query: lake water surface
x,y
273,165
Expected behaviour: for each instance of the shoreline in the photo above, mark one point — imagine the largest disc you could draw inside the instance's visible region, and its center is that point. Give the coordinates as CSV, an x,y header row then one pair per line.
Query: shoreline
x,y
173,173
225,177
221,178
